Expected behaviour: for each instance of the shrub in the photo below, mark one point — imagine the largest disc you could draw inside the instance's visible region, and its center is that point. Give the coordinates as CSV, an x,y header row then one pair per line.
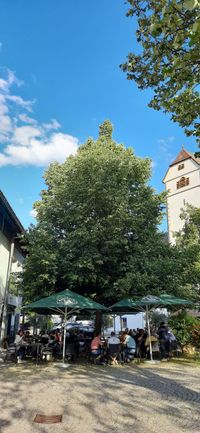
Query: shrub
x,y
186,329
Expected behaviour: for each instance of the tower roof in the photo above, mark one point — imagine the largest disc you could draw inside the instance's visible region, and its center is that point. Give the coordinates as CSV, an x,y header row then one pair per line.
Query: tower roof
x,y
183,155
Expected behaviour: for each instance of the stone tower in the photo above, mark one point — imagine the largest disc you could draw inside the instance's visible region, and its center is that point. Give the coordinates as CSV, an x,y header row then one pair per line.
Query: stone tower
x,y
182,182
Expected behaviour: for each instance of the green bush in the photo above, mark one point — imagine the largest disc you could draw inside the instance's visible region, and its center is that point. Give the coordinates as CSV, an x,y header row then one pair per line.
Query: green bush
x,y
156,318
186,329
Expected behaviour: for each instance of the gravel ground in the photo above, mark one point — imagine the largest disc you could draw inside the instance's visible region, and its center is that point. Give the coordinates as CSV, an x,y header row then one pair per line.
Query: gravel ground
x,y
161,398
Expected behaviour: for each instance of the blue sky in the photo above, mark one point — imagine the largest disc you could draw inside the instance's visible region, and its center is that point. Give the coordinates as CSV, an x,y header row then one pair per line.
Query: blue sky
x,y
59,79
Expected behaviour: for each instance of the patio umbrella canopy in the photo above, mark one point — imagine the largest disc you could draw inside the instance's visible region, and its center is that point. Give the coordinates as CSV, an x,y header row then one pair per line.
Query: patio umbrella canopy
x,y
148,303
57,303
169,300
128,305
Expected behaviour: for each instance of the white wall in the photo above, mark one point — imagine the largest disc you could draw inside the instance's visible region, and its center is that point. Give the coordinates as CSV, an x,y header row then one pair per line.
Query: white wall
x,y
177,199
16,301
17,261
176,203
134,321
173,172
4,259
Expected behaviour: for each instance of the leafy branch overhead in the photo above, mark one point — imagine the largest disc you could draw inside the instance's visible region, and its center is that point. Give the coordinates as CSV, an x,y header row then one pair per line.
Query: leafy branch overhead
x,y
169,34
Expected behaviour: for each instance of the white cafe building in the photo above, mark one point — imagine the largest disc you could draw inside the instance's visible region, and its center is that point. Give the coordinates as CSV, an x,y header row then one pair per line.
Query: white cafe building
x,y
11,260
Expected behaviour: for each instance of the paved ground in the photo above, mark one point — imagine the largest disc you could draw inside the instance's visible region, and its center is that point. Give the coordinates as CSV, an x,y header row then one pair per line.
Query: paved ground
x,y
98,399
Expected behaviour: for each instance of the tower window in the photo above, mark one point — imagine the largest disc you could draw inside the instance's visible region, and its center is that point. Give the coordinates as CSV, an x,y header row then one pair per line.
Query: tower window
x,y
181,166
184,181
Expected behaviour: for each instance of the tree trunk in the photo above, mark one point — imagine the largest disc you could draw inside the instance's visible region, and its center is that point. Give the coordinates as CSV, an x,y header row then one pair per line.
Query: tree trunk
x,y
98,322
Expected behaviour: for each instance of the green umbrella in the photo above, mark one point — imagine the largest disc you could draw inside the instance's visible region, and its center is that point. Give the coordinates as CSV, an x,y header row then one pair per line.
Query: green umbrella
x,y
57,303
168,300
126,305
129,305
146,304
63,303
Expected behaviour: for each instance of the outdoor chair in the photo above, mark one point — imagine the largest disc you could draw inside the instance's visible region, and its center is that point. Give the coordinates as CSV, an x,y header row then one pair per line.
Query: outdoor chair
x,y
94,357
113,353
47,355
9,354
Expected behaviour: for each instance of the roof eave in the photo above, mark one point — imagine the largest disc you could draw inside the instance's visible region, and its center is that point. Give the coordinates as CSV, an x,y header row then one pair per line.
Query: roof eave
x,y
11,212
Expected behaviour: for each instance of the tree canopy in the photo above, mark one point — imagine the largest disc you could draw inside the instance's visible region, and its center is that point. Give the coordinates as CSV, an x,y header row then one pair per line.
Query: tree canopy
x,y
169,59
188,244
97,227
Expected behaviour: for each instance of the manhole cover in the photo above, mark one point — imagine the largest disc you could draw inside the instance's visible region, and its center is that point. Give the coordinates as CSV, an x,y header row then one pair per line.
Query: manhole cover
x,y
47,419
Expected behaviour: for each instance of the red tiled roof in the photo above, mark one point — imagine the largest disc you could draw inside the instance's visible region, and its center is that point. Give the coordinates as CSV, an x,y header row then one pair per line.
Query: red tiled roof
x,y
183,155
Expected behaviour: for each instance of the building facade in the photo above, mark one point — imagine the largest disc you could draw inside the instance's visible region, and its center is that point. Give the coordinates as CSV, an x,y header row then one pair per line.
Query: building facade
x,y
182,183
11,260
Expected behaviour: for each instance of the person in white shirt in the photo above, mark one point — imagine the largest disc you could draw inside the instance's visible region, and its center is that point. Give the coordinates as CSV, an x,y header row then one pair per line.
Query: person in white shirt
x,y
113,348
20,345
113,339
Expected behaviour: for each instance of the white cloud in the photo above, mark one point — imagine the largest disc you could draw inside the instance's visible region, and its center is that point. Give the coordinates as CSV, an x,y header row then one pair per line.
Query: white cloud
x,y
6,124
26,119
20,101
26,141
153,164
53,124
39,152
23,135
33,213
165,148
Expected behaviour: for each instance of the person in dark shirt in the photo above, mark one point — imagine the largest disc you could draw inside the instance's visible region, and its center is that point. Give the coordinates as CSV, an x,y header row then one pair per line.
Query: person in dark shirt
x,y
163,341
140,339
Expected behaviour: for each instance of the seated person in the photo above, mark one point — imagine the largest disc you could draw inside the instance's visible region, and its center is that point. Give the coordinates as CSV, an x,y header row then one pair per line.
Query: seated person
x,y
113,348
130,347
51,338
20,343
27,336
58,336
45,338
96,344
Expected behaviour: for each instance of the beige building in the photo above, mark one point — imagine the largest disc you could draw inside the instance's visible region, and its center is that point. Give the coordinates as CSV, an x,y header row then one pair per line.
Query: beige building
x,y
182,183
11,259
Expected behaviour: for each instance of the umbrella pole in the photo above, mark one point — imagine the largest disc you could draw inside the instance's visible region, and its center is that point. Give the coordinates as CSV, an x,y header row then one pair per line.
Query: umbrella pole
x,y
149,333
114,324
64,334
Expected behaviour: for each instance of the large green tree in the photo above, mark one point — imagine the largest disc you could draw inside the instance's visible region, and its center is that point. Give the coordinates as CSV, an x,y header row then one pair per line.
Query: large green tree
x,y
188,245
169,59
97,227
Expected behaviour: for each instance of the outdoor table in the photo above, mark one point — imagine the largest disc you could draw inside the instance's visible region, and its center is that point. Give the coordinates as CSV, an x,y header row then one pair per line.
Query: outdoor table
x,y
37,346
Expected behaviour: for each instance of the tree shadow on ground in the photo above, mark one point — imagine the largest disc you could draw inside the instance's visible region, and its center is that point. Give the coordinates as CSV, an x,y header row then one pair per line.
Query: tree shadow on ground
x,y
99,399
